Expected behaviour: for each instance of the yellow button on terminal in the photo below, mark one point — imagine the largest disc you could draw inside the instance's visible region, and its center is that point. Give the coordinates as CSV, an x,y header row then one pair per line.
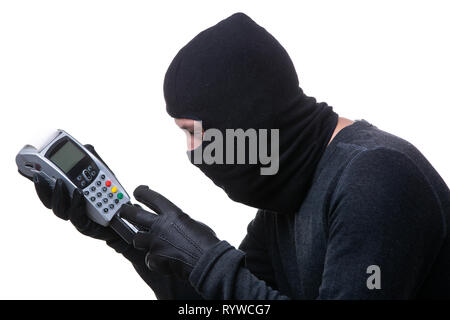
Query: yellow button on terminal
x,y
114,189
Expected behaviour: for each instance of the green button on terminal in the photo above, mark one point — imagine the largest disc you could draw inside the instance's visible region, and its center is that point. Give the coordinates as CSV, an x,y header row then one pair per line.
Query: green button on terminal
x,y
120,195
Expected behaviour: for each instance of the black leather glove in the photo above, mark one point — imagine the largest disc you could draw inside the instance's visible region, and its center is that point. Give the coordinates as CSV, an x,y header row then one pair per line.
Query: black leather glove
x,y
174,241
74,209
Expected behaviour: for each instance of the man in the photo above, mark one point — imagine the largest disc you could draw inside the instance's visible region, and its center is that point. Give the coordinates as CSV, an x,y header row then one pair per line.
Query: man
x,y
351,213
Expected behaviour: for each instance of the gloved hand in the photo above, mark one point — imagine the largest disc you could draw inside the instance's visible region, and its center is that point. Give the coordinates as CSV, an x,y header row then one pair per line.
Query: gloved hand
x,y
174,241
74,209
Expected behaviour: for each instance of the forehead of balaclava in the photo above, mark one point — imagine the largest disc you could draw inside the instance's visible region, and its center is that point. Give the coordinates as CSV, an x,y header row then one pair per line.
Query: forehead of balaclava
x,y
232,75
237,75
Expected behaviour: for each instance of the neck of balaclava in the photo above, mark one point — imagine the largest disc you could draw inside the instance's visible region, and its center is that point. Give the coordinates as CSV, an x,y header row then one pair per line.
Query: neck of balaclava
x,y
306,127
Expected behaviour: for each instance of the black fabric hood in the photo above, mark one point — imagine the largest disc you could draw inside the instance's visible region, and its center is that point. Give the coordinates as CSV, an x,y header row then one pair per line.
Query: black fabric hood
x,y
236,75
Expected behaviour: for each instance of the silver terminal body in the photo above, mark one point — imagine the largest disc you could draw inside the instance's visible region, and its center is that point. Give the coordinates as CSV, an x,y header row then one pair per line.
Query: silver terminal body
x,y
103,192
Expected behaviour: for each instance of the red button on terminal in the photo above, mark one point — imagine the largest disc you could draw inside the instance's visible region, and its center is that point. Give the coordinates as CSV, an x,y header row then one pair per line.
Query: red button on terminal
x,y
108,183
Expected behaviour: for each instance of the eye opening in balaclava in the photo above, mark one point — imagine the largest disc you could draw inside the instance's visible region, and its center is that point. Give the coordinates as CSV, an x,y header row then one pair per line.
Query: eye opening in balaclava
x,y
235,75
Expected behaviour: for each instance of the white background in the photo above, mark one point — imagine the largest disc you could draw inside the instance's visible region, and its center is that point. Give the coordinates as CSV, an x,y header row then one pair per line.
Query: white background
x,y
95,69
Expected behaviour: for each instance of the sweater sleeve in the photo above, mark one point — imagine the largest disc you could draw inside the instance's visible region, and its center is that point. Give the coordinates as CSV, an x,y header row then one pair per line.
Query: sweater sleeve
x,y
224,272
385,228
220,274
256,248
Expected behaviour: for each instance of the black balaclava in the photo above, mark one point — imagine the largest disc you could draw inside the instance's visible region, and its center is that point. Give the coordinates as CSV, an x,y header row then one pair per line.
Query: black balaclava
x,y
236,75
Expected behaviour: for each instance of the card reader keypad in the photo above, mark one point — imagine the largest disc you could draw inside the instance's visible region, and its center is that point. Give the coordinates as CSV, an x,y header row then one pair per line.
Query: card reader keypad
x,y
102,193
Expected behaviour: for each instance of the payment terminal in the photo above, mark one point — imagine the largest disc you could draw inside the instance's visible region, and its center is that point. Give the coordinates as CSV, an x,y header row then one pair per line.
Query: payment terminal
x,y
63,157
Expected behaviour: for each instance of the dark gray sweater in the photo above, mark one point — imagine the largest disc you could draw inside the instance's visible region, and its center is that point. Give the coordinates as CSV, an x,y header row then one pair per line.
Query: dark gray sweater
x,y
374,201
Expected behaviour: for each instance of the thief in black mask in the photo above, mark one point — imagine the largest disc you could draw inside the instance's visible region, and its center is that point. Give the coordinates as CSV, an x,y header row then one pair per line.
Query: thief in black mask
x,y
348,211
